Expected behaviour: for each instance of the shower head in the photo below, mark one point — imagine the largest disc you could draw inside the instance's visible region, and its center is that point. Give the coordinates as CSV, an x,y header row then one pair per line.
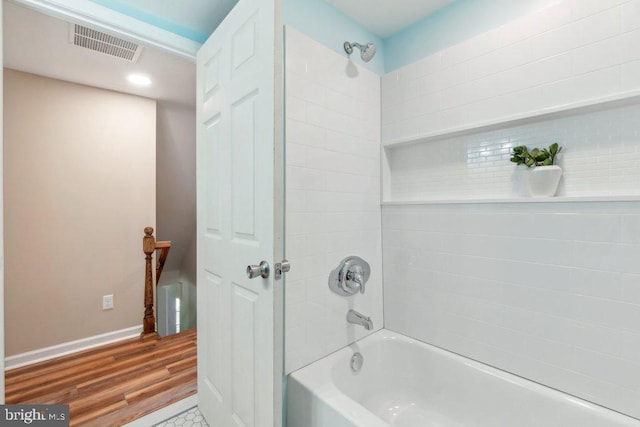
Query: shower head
x,y
366,51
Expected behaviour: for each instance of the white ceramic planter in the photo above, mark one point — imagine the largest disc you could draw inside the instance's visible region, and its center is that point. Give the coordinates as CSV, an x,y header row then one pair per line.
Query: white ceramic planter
x,y
543,180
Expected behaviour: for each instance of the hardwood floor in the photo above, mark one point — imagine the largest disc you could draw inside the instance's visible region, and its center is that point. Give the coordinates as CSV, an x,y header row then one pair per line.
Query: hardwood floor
x,y
113,384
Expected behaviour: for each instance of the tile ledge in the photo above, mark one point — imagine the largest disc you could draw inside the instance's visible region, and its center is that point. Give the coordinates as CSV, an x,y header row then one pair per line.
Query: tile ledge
x,y
512,200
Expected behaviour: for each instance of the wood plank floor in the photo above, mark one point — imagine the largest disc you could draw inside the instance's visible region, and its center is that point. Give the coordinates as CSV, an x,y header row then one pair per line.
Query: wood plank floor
x,y
112,384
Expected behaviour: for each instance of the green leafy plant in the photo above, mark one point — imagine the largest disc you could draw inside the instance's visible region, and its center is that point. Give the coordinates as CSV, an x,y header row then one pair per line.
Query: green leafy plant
x,y
536,157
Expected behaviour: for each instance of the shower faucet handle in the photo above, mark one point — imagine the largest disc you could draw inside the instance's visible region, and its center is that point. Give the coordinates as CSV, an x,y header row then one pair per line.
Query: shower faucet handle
x,y
350,276
355,278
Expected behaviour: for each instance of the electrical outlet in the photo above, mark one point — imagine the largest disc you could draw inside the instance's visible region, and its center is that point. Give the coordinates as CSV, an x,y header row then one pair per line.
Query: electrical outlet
x,y
107,302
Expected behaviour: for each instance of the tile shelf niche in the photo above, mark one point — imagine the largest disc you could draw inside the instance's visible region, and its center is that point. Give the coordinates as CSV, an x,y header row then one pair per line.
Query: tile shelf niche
x,y
601,157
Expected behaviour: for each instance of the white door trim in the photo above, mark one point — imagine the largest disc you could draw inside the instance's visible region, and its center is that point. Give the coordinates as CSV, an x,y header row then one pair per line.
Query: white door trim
x,y
88,13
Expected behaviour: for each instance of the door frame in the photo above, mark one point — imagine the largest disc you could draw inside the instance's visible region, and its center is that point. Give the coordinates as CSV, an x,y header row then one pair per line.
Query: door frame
x,y
92,14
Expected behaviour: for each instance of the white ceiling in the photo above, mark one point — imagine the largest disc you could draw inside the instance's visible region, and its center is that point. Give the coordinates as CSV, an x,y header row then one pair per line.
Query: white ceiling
x,y
39,44
386,17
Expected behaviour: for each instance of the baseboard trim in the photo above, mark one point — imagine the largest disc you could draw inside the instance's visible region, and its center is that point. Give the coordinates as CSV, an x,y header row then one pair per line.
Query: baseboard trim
x,y
35,356
165,413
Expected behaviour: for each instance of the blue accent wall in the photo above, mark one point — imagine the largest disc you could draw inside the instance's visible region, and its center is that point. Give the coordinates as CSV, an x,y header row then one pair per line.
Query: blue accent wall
x,y
321,21
451,25
165,24
329,26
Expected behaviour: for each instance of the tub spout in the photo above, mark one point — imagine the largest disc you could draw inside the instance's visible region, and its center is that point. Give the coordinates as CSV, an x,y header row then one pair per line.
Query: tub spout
x,y
359,319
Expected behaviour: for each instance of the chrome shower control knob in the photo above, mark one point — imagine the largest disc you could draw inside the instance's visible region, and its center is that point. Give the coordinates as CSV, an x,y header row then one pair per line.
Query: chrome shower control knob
x,y
350,276
261,270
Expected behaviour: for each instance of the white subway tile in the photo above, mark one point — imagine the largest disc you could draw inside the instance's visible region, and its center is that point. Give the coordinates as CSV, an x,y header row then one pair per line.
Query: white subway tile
x,y
333,196
629,345
595,338
305,178
631,15
626,46
599,26
584,8
296,154
553,42
475,46
557,14
428,65
553,328
305,89
597,56
606,368
609,395
630,288
344,143
298,201
597,84
562,378
549,316
392,114
341,103
305,134
549,351
407,89
390,89
630,77
532,24
599,284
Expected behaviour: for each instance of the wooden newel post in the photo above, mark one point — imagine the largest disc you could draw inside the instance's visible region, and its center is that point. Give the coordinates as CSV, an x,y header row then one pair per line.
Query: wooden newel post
x,y
149,320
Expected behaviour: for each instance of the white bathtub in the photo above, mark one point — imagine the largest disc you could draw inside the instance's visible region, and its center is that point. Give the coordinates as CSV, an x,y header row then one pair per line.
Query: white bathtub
x,y
406,383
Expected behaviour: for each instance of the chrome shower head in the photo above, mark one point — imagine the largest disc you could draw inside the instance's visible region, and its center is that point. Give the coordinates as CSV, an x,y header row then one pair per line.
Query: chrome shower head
x,y
366,51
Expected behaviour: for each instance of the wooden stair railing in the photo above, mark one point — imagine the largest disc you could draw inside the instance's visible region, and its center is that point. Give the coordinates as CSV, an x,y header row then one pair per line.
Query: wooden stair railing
x,y
164,252
149,246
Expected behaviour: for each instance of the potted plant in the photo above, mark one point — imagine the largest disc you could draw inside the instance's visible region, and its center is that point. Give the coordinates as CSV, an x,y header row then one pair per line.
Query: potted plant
x,y
543,176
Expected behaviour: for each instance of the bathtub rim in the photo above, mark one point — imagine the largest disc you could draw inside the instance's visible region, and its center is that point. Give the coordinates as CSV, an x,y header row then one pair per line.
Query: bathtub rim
x,y
316,378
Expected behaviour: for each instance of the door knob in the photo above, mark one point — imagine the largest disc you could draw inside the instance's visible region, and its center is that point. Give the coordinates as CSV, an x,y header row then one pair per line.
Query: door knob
x,y
261,270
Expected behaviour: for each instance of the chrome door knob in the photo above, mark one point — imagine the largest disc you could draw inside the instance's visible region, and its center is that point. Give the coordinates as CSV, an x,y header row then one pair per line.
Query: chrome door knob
x,y
261,270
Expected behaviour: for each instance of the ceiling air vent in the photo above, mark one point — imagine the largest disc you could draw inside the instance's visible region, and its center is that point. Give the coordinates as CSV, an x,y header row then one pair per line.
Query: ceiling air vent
x,y
104,43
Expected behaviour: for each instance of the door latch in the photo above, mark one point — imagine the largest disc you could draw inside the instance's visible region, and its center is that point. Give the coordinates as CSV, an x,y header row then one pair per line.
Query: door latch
x,y
281,267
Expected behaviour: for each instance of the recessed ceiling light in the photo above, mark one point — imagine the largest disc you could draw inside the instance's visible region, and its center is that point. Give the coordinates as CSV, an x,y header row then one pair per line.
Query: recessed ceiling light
x,y
139,80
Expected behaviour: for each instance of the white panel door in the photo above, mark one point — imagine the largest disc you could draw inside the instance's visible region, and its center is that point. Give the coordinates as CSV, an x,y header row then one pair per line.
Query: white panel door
x,y
237,381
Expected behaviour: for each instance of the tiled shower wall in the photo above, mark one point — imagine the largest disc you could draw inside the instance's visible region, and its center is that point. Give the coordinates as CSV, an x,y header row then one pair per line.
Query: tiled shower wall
x,y
332,196
572,51
548,291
